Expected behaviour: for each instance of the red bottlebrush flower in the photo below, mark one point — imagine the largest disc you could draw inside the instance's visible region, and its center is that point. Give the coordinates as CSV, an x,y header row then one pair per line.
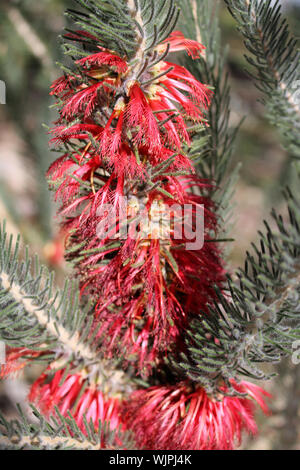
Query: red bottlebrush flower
x,y
179,80
179,417
83,101
177,90
78,132
62,86
16,360
139,315
146,291
150,112
178,42
125,123
139,114
105,58
79,397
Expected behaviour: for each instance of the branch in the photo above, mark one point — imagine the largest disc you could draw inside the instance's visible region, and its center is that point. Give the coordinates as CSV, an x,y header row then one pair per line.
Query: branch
x,y
214,159
57,434
34,317
275,60
271,60
197,21
137,16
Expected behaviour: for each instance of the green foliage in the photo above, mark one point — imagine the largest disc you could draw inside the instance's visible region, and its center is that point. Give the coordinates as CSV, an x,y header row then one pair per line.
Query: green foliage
x,y
109,22
27,56
58,433
35,316
275,63
124,26
258,319
214,160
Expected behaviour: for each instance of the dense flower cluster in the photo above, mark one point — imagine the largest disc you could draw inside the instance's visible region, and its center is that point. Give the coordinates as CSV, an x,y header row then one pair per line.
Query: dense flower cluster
x,y
170,417
183,417
65,396
130,130
80,395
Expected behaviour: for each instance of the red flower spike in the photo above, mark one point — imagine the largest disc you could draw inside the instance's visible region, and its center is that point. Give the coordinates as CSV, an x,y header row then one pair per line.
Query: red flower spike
x,y
139,114
179,418
143,286
83,101
62,87
177,90
16,360
105,58
78,131
178,42
93,403
153,314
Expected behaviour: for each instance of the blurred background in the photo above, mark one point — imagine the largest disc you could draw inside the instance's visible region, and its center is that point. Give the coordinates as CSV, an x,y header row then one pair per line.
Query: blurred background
x,y
29,51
